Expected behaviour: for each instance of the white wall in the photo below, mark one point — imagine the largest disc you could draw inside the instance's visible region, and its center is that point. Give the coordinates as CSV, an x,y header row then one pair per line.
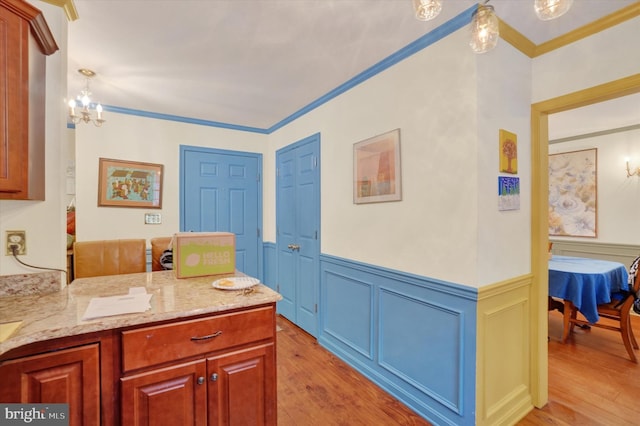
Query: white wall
x,y
45,221
618,196
449,165
601,58
127,137
504,102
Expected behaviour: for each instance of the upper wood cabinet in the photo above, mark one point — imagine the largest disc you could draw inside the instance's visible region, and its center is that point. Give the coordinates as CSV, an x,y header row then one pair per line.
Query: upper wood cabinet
x,y
26,40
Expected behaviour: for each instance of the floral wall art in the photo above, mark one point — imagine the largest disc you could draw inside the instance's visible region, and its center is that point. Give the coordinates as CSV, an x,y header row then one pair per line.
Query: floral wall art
x,y
573,193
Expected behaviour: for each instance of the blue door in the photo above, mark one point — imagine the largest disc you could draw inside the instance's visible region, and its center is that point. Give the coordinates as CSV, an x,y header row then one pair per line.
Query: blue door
x,y
221,191
298,231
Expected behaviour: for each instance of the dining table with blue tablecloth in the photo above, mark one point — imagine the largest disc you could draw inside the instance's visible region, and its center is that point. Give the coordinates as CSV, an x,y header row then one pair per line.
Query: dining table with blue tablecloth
x,y
585,283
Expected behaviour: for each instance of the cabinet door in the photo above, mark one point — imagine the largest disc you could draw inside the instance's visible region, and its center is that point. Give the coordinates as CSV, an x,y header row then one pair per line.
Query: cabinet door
x,y
13,94
242,387
174,395
67,376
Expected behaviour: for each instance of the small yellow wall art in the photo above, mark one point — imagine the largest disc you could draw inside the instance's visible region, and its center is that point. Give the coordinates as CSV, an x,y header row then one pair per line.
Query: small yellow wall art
x,y
508,152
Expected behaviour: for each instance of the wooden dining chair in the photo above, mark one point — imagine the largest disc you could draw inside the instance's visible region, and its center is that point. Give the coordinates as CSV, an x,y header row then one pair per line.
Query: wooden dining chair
x,y
109,257
158,246
618,311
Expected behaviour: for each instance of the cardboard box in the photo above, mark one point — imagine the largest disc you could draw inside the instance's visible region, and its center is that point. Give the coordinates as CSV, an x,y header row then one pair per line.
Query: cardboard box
x,y
197,254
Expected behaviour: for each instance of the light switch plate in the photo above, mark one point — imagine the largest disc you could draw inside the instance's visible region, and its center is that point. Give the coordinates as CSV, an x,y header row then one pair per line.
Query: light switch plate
x,y
152,218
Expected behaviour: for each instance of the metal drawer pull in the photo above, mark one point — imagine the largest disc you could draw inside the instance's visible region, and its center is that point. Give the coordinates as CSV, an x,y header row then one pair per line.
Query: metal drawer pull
x,y
207,337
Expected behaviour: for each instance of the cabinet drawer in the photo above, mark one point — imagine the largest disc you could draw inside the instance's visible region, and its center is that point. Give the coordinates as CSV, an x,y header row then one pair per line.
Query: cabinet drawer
x,y
147,346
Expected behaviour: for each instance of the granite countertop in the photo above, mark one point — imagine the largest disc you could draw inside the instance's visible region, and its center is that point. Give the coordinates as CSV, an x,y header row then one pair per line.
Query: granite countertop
x,y
59,314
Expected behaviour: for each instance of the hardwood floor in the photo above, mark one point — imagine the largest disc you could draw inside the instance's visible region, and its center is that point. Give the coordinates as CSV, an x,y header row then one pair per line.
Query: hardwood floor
x,y
592,382
317,388
591,379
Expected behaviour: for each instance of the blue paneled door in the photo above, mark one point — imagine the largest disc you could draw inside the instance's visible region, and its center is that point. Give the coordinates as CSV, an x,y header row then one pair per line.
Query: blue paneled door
x,y
298,231
221,191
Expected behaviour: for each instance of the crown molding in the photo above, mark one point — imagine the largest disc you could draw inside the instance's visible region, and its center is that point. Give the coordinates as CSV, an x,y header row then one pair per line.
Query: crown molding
x,y
530,49
585,31
68,6
516,39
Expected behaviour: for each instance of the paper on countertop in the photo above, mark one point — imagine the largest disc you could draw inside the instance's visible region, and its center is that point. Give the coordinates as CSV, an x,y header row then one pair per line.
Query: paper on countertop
x,y
138,300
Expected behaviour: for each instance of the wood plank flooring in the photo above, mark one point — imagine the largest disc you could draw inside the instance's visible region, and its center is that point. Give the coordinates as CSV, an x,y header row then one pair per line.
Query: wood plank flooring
x,y
592,382
317,388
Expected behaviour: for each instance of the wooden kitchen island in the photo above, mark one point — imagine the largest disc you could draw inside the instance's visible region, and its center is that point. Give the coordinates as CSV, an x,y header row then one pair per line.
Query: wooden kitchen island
x,y
198,356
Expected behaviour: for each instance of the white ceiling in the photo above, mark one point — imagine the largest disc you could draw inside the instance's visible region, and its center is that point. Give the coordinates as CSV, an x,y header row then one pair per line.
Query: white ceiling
x,y
254,63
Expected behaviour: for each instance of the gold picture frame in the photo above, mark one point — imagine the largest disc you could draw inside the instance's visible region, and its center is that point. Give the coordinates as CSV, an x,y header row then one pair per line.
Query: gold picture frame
x,y
376,169
124,183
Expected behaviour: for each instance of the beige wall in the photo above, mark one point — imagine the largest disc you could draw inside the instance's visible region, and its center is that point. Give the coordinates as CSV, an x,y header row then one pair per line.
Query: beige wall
x,y
133,138
45,221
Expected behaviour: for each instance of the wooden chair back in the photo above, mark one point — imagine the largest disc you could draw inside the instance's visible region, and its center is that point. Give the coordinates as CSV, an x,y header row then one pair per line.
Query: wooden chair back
x,y
158,246
618,312
109,257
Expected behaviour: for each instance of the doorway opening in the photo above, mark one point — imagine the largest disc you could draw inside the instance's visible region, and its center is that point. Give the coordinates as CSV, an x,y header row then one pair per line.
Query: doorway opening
x,y
539,219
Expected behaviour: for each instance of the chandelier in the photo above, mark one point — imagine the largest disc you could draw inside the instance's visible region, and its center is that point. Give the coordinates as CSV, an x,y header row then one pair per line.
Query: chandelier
x,y
484,22
89,112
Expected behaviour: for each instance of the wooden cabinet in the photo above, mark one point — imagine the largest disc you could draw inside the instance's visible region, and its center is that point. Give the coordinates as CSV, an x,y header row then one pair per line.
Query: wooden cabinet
x,y
25,39
219,370
173,395
67,376
242,387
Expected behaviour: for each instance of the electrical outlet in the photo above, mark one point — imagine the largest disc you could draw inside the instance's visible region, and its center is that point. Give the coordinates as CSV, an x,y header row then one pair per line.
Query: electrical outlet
x,y
16,239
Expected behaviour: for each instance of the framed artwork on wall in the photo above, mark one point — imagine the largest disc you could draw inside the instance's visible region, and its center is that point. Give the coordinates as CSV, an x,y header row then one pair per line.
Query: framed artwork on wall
x,y
376,169
508,152
508,193
573,205
129,184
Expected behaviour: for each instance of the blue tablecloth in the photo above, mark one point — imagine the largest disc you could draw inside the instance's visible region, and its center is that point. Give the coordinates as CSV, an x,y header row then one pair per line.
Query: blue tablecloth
x,y
586,282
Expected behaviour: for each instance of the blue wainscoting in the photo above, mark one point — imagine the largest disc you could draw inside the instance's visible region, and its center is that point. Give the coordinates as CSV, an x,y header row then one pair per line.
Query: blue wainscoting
x,y
269,272
413,336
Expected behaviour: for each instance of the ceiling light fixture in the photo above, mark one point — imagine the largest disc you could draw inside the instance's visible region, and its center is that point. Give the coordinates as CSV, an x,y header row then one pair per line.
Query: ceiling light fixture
x,y
485,29
426,10
83,101
551,9
484,22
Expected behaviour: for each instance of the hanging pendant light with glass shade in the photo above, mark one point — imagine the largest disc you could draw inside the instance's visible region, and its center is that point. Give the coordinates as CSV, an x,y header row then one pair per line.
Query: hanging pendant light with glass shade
x,y
551,9
485,29
426,10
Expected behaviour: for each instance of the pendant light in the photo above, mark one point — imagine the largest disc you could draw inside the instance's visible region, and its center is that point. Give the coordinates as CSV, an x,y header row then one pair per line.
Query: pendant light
x,y
485,29
426,10
551,9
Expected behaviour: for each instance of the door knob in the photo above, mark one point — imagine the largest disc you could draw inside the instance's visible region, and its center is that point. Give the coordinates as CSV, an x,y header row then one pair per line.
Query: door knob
x,y
293,247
